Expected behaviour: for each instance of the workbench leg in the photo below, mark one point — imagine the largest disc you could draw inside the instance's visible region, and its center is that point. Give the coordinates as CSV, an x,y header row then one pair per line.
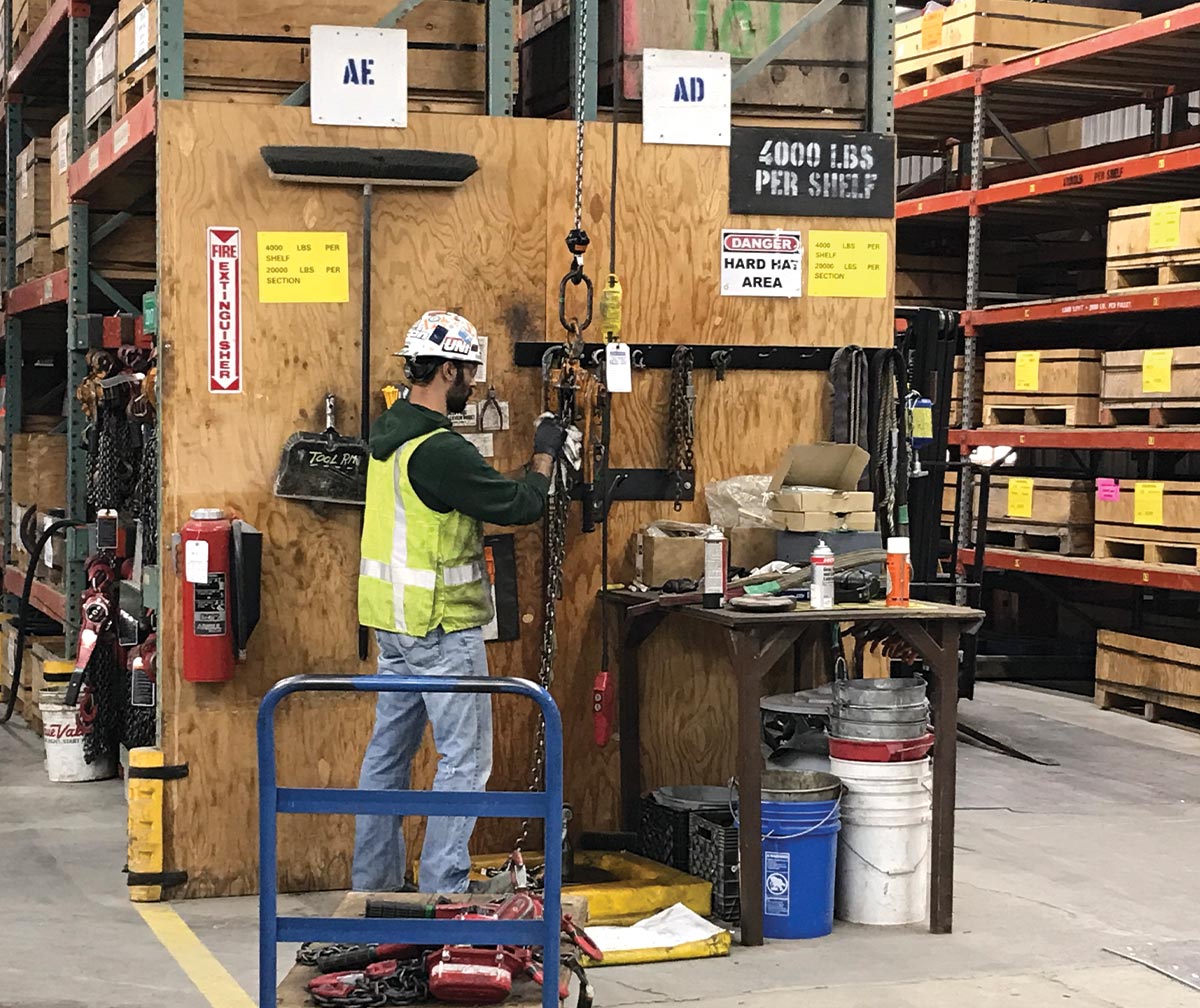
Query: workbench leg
x,y
749,775
633,630
945,754
629,729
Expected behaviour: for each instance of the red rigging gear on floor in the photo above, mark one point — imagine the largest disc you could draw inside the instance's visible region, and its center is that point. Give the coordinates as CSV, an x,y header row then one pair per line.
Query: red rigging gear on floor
x,y
464,974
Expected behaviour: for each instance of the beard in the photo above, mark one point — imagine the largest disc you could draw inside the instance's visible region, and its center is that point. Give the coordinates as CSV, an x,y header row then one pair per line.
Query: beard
x,y
457,395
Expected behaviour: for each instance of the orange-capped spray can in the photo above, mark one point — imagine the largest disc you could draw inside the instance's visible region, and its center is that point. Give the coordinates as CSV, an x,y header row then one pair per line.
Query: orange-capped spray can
x,y
899,568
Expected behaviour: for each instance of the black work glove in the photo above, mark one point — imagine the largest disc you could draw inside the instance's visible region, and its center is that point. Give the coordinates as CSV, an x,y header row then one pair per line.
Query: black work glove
x,y
549,436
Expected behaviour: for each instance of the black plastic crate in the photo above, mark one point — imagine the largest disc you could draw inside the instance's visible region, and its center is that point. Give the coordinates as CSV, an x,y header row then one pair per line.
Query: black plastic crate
x,y
663,834
713,856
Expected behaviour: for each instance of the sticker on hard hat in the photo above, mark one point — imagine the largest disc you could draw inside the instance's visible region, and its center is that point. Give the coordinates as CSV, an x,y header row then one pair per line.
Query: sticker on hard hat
x,y
456,344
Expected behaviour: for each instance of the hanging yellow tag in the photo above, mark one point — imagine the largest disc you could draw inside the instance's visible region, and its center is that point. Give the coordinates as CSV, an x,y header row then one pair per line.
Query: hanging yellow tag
x,y
931,28
1027,370
1164,225
1020,497
1156,370
610,308
1147,503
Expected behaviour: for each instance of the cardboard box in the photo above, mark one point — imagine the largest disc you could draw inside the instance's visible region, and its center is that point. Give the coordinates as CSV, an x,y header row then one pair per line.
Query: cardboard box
x,y
751,547
827,521
662,558
825,477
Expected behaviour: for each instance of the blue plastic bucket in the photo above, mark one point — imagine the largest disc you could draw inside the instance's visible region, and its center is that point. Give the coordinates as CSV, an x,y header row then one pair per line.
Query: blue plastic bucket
x,y
799,867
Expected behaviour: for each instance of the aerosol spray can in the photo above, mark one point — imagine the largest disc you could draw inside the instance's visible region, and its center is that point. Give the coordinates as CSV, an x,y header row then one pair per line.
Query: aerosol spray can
x,y
716,569
820,592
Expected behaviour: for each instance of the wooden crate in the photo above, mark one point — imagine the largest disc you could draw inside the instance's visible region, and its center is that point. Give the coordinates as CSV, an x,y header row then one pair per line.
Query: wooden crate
x,y
956,388
975,33
1060,519
1174,541
245,49
1068,389
1123,399
26,16
821,77
130,248
99,103
39,476
1138,256
33,252
60,161
1156,673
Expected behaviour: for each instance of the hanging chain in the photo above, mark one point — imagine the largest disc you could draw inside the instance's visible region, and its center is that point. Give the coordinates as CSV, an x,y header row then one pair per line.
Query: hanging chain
x,y
581,10
555,533
681,421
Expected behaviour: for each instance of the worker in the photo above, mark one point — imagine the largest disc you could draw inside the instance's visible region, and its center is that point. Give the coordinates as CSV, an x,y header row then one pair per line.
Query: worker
x,y
423,587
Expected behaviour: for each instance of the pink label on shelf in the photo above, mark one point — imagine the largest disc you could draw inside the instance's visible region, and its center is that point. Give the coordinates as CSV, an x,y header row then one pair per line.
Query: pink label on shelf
x,y
1108,489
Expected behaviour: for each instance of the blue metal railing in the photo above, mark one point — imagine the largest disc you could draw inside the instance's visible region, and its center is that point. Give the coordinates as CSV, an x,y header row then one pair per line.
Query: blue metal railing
x,y
274,800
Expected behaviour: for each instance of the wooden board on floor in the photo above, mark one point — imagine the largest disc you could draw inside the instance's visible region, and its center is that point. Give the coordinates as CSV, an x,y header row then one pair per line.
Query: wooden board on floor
x,y
293,992
493,250
1155,672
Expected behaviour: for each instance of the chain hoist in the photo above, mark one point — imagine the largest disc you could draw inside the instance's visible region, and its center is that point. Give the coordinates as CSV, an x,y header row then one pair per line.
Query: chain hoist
x,y
681,423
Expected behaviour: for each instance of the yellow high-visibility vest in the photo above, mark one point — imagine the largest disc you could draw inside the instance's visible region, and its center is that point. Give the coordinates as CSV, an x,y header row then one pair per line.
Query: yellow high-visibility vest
x,y
420,568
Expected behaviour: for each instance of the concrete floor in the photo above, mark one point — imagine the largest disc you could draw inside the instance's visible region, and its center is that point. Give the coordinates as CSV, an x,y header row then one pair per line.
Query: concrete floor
x,y
1053,864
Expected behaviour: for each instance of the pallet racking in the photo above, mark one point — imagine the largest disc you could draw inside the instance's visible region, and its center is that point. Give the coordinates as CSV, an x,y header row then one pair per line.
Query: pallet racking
x,y
1149,62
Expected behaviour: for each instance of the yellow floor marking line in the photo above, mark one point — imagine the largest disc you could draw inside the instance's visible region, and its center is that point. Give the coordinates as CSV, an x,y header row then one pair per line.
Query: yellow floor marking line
x,y
203,968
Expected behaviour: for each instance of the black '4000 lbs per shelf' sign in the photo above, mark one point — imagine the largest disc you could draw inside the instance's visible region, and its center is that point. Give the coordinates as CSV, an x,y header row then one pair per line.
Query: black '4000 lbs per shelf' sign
x,y
811,173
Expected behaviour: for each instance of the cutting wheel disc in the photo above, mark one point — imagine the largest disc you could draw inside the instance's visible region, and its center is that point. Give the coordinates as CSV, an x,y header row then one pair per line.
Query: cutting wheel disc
x,y
762,603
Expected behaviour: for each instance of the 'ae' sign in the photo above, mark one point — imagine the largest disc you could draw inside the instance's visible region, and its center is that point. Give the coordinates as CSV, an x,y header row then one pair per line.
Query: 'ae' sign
x,y
685,97
359,76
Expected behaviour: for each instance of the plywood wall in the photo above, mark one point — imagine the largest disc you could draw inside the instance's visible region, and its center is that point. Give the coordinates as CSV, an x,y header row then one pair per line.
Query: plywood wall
x,y
493,250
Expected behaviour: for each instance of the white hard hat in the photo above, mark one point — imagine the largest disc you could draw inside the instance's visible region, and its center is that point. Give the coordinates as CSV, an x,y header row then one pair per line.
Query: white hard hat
x,y
442,334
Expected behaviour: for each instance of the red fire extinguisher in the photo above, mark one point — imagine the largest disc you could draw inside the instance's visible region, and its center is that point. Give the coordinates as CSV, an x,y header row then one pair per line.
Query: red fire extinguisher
x,y
208,652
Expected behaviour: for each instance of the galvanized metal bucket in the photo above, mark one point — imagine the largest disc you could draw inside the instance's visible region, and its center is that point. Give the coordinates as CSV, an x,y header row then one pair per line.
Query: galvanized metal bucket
x,y
799,786
879,709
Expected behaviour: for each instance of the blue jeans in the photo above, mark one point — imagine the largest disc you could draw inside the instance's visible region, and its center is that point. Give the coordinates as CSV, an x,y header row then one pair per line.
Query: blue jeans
x,y
462,733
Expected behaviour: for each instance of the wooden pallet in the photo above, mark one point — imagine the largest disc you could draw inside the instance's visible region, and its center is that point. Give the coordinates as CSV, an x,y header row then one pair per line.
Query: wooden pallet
x,y
135,87
1153,703
922,70
1152,273
1133,549
1080,411
26,16
1151,414
38,261
1069,540
104,121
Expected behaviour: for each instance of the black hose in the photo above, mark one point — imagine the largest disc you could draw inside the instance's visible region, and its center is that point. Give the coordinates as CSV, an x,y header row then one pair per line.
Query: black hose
x,y
24,612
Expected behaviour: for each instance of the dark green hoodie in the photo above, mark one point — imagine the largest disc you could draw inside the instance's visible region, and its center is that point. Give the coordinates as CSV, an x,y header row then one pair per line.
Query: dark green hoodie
x,y
449,474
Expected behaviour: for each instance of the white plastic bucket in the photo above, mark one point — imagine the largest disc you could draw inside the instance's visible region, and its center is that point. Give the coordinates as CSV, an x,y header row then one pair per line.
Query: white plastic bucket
x,y
884,845
64,745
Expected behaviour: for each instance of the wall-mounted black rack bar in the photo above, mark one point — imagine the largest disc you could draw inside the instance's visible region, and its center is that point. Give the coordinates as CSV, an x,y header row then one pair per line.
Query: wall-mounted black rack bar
x,y
743,357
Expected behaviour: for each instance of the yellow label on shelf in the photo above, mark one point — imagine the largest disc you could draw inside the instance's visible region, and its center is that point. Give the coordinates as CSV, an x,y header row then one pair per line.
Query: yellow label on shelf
x,y
1147,503
852,264
1156,370
1164,225
303,267
931,28
1027,370
1020,497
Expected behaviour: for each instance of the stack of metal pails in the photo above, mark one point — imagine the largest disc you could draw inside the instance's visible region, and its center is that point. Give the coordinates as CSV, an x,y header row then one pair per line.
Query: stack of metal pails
x,y
878,743
881,720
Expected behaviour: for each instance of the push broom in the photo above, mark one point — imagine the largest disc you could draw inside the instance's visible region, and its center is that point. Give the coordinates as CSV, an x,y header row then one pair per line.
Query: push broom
x,y
304,467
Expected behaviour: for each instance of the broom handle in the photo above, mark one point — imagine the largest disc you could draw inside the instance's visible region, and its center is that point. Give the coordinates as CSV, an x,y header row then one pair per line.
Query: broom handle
x,y
365,406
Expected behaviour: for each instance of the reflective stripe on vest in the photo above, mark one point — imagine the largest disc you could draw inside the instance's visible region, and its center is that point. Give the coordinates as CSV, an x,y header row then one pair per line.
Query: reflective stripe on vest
x,y
420,568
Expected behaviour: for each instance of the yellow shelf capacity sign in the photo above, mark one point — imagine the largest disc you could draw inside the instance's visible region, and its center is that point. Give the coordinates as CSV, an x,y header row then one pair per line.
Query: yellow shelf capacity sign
x,y
848,264
1147,503
303,267
1020,497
